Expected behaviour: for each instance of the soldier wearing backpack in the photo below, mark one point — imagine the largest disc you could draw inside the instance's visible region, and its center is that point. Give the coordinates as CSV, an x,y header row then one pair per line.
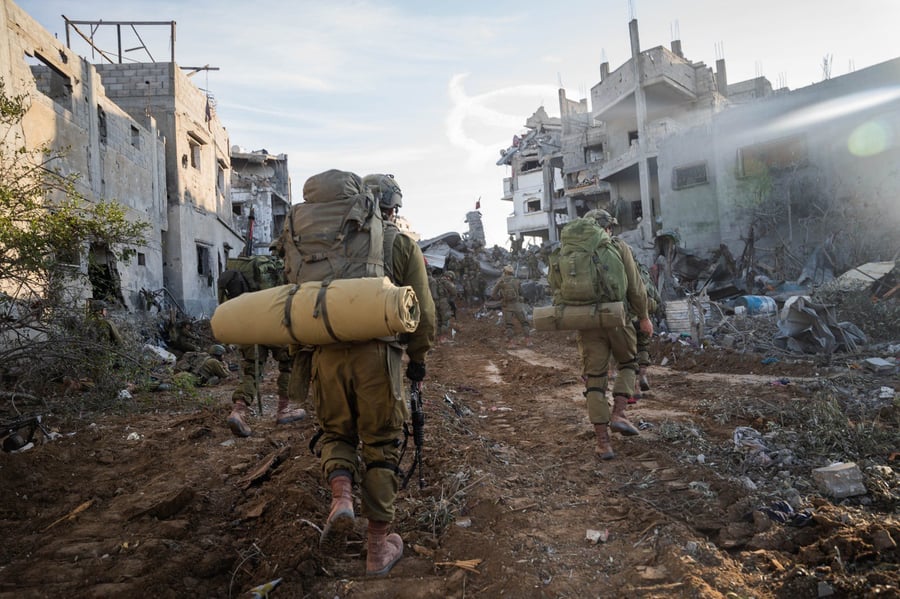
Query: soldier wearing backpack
x,y
508,290
344,229
607,221
592,268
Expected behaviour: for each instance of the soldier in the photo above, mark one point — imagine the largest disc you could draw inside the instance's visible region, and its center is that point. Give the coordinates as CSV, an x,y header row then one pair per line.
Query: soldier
x,y
359,405
599,347
253,362
445,304
508,290
206,368
607,222
106,329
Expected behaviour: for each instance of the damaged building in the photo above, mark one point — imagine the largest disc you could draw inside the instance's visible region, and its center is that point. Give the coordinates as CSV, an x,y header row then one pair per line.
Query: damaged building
x,y
144,135
671,148
261,191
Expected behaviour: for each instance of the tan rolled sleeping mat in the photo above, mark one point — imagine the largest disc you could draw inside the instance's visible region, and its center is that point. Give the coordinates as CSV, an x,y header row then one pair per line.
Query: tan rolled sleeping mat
x,y
570,318
310,314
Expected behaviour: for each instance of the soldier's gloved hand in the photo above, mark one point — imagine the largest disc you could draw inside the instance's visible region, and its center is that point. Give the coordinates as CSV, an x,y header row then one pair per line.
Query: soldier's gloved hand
x,y
415,371
646,326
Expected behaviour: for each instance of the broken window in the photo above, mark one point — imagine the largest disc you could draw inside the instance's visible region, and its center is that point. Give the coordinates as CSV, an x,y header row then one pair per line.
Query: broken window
x,y
530,165
632,138
195,155
237,208
203,265
593,153
779,155
195,144
103,274
637,211
532,206
220,176
101,124
690,175
50,81
135,137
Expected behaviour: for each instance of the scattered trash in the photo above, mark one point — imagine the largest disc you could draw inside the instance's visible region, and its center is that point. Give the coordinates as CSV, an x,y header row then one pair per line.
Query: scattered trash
x,y
597,536
808,327
840,480
879,365
464,522
746,437
769,360
124,394
644,425
262,591
782,512
134,437
886,393
782,382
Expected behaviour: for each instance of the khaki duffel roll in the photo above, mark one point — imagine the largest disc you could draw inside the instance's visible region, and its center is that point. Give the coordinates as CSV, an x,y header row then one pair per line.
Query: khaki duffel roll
x,y
344,310
570,318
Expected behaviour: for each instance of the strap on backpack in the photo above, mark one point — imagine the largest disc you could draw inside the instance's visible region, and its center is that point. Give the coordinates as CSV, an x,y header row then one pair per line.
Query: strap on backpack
x,y
287,312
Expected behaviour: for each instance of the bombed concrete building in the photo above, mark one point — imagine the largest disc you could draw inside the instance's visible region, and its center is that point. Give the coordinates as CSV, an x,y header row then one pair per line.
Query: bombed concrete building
x,y
668,145
260,196
144,135
117,156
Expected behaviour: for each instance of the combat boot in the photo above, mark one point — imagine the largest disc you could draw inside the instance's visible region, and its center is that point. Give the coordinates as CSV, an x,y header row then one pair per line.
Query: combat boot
x,y
285,414
340,518
237,420
604,447
618,422
383,549
642,379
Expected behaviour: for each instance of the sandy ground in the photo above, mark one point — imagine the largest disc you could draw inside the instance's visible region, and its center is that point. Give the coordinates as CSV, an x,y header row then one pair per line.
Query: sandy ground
x,y
166,503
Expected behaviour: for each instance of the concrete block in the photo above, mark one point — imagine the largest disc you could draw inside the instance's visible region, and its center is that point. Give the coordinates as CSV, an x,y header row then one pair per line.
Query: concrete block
x,y
840,480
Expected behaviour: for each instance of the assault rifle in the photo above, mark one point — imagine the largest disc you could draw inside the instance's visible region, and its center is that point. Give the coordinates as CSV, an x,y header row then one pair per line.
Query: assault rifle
x,y
9,432
418,432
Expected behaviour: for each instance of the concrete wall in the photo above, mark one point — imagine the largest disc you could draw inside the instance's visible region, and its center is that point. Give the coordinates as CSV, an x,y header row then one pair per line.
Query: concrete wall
x,y
119,158
847,179
198,173
260,181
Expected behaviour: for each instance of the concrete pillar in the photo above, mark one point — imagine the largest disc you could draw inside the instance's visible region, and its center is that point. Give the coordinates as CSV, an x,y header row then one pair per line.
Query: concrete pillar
x,y
721,77
640,102
676,48
547,201
604,70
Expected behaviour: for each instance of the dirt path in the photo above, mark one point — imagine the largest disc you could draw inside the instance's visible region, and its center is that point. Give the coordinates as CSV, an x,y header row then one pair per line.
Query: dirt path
x,y
169,504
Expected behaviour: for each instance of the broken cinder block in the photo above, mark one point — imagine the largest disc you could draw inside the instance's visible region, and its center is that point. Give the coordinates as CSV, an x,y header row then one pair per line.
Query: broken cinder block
x,y
840,480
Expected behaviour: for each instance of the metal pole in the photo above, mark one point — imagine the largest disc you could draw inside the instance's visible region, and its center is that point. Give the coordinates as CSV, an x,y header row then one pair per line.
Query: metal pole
x,y
256,379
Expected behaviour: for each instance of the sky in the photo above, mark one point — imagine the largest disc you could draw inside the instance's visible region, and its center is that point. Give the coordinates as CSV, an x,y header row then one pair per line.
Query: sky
x,y
431,90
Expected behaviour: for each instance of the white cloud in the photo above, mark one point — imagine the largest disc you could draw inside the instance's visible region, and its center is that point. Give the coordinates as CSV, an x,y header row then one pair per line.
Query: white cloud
x,y
470,117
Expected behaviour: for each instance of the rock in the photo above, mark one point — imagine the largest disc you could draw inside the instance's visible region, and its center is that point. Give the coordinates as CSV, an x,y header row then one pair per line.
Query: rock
x,y
840,480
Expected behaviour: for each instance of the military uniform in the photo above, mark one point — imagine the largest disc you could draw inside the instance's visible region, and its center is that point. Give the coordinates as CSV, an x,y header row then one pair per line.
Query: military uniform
x,y
253,362
208,369
444,299
508,290
599,347
358,394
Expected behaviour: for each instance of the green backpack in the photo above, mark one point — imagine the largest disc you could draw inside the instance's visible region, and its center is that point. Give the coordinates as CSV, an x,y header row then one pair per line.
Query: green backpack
x,y
654,300
586,268
336,233
249,273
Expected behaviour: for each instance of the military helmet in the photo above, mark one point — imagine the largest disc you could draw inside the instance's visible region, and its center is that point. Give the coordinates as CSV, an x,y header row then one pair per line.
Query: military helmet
x,y
216,350
450,275
386,190
603,218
